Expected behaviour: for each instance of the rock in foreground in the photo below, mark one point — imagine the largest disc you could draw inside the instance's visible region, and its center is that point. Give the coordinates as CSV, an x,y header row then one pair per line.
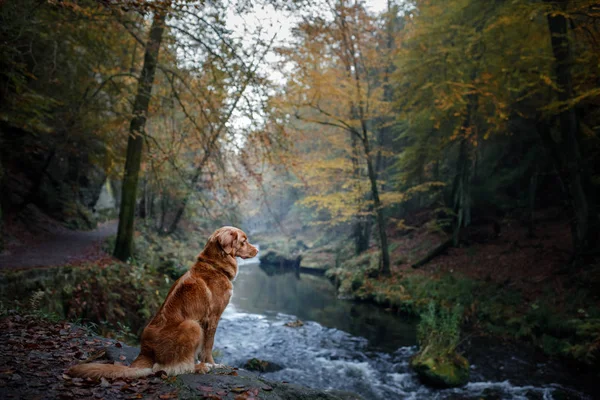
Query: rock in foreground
x,y
227,383
34,354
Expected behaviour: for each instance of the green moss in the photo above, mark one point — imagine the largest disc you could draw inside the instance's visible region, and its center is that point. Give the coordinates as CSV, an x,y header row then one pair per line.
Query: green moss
x,y
444,371
437,362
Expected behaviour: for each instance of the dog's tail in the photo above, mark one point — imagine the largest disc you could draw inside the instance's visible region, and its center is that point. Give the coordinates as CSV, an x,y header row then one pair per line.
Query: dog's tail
x,y
97,371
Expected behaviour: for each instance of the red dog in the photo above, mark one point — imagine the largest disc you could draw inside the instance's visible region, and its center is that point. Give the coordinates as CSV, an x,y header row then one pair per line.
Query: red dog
x,y
184,327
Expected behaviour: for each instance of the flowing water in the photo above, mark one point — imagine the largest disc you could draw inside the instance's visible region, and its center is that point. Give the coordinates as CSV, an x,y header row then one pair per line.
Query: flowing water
x,y
360,347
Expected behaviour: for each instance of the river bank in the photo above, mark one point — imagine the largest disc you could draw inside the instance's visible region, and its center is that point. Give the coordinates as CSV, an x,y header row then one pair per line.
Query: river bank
x,y
518,289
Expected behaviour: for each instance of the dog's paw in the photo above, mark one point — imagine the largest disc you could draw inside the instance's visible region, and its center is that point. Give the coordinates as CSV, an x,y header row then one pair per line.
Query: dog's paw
x,y
202,368
216,366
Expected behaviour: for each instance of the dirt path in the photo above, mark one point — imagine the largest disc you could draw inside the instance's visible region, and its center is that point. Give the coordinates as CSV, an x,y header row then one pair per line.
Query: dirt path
x,y
59,248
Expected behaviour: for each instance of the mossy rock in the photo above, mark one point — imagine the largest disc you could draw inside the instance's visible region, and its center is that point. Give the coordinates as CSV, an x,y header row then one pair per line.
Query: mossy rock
x,y
273,257
447,371
254,364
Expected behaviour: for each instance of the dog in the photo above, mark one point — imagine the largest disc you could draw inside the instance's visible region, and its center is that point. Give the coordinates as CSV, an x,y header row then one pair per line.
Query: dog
x,y
183,329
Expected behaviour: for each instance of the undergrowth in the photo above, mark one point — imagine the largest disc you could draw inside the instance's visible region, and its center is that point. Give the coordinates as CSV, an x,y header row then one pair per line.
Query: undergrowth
x,y
117,300
568,329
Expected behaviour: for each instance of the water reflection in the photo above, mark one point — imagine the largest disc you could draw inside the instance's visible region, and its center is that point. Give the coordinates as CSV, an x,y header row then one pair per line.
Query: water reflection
x,y
313,298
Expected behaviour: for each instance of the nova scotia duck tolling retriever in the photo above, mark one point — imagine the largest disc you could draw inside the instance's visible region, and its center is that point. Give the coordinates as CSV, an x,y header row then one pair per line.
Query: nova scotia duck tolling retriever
x,y
183,330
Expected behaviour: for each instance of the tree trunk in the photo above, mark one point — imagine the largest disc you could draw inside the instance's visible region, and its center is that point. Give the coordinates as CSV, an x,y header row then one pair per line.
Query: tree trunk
x,y
362,224
1,215
461,195
186,197
124,243
361,234
163,213
532,195
462,183
434,253
568,151
385,254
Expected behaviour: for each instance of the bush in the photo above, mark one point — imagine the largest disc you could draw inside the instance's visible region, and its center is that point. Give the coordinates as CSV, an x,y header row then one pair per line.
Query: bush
x,y
118,299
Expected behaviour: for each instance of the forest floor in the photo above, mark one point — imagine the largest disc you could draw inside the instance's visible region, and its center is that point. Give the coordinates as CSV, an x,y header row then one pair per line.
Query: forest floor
x,y
511,257
537,267
50,244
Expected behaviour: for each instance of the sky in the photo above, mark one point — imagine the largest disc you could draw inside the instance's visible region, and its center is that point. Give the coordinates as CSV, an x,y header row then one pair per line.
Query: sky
x,y
277,23
273,23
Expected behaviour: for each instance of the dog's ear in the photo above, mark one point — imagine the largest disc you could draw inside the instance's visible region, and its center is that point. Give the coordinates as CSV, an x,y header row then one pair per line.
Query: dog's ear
x,y
227,240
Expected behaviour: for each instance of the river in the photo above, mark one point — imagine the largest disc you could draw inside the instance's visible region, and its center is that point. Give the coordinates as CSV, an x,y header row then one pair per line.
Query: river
x,y
361,347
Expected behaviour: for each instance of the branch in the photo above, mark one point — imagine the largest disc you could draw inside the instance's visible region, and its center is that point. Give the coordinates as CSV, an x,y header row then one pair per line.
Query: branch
x,y
107,80
341,123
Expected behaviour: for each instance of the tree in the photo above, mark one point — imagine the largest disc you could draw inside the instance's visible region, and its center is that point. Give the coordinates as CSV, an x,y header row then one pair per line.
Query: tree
x,y
338,84
124,243
568,152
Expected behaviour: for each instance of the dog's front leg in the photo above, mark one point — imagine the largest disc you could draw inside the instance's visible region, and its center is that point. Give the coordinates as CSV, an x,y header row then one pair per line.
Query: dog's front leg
x,y
209,340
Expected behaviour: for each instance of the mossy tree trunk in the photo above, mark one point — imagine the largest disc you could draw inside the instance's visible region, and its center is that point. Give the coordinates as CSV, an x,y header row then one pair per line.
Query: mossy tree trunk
x,y
124,244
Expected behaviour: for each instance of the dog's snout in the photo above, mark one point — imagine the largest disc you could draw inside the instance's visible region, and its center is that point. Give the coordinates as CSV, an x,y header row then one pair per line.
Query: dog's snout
x,y
252,251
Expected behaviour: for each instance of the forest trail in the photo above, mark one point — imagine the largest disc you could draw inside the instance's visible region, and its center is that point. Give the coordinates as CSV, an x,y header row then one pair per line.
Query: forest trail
x,y
59,248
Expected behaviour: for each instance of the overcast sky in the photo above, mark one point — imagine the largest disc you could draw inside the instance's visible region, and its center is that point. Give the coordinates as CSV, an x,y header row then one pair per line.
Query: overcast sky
x,y
273,23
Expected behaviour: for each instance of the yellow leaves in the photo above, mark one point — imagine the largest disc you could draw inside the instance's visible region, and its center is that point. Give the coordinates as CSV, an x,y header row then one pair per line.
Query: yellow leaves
x,y
504,21
341,206
548,81
559,106
390,198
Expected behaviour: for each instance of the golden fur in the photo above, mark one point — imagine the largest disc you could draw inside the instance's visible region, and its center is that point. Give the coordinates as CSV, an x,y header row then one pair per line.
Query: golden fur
x,y
183,329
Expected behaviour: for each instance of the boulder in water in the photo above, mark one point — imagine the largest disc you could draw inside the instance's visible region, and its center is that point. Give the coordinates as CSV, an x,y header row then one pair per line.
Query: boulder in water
x,y
276,258
441,371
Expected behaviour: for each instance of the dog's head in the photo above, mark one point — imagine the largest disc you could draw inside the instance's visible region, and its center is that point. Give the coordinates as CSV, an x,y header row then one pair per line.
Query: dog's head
x,y
234,242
